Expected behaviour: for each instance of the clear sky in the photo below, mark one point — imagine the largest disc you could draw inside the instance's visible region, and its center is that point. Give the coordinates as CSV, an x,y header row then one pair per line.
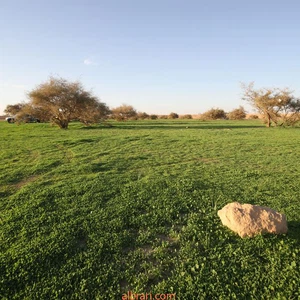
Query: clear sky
x,y
160,56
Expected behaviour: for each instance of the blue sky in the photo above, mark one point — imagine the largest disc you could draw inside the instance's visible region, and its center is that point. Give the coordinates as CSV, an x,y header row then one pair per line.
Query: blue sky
x,y
160,56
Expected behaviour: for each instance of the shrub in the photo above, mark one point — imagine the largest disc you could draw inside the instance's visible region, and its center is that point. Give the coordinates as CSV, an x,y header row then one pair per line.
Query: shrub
x,y
124,112
142,116
214,114
153,117
173,115
188,117
237,114
253,117
163,117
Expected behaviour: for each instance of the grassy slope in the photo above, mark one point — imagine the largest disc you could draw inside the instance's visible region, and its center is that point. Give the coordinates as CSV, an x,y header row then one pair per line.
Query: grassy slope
x,y
90,213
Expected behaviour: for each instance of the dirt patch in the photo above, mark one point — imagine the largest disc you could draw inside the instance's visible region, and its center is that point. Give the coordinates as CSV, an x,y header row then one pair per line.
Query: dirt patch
x,y
147,249
208,160
26,181
123,284
165,238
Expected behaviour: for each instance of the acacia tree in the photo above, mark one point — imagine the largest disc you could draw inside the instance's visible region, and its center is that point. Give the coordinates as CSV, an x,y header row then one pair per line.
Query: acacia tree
x,y
277,106
64,101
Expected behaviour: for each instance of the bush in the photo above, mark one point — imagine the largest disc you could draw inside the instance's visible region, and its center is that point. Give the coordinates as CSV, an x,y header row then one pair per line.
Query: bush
x,y
153,117
237,114
173,115
124,112
163,117
214,114
253,117
142,116
187,117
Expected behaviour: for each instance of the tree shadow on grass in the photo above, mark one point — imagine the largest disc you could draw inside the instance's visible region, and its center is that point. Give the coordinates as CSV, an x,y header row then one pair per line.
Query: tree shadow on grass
x,y
294,230
172,126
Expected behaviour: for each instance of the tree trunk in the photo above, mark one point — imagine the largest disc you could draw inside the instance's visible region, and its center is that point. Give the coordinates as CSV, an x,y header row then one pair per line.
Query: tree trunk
x,y
268,120
63,124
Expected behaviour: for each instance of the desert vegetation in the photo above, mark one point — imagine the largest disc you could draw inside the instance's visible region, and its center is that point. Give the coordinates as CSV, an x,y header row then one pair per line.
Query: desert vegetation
x,y
60,102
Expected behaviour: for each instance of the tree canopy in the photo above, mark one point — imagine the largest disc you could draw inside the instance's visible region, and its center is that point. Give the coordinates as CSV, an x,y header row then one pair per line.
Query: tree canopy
x,y
63,101
13,109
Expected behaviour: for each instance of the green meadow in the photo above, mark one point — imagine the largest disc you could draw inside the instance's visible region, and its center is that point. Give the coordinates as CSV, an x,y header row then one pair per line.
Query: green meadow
x,y
95,212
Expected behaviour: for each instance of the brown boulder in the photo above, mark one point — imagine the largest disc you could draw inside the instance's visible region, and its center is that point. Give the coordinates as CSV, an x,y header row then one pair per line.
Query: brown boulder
x,y
250,220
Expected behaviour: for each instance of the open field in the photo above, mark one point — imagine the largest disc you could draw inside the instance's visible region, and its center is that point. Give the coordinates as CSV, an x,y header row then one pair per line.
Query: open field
x,y
91,213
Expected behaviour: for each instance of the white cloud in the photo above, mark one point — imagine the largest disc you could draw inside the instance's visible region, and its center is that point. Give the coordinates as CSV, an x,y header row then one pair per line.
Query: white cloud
x,y
89,62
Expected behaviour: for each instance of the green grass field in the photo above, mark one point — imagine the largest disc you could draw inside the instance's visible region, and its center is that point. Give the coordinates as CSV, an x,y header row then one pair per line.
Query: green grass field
x,y
91,213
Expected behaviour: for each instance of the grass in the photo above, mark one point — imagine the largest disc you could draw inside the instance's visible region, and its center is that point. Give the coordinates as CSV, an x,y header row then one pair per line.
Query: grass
x,y
90,213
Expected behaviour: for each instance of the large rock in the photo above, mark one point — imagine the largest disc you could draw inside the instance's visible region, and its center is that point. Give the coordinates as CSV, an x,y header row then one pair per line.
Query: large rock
x,y
249,220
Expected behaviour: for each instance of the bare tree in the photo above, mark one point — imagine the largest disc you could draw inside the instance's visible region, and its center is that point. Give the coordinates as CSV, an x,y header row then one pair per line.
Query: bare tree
x,y
277,106
63,101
